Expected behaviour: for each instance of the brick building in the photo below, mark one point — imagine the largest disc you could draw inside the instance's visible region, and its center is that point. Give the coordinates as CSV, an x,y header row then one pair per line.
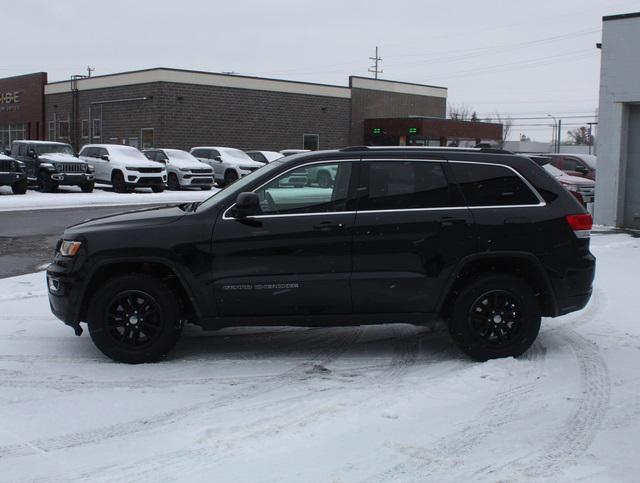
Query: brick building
x,y
177,108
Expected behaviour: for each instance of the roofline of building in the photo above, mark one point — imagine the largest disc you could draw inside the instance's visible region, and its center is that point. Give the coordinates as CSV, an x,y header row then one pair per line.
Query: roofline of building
x,y
41,74
621,16
357,82
183,76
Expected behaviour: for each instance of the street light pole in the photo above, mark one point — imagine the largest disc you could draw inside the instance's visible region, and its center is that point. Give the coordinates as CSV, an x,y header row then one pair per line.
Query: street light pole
x,y
555,131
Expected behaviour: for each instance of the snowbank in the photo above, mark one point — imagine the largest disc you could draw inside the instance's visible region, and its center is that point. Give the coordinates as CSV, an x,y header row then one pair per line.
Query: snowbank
x,y
72,197
384,403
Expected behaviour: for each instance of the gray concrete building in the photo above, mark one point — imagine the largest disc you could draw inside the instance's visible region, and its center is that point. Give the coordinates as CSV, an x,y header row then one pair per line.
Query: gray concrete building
x,y
177,108
618,178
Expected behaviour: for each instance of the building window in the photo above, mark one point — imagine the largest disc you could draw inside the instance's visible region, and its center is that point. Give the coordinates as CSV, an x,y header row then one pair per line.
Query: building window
x,y
97,129
146,135
311,142
52,131
63,129
85,128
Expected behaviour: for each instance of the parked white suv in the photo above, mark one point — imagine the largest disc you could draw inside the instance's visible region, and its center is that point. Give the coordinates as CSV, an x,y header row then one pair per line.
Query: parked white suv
x,y
229,164
183,169
124,167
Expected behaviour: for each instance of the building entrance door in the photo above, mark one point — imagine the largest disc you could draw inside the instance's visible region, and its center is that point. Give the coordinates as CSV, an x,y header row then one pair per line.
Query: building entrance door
x,y
632,171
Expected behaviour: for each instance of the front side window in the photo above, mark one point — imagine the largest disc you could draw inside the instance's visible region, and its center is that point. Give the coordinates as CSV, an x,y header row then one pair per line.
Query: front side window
x,y
400,185
299,191
492,185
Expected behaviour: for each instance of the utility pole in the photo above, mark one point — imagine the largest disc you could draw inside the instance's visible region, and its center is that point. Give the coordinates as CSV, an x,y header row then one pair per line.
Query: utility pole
x,y
591,124
559,134
90,70
374,67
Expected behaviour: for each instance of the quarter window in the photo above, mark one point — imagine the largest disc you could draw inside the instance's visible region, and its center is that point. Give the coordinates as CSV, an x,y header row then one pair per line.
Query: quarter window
x,y
398,185
490,185
320,188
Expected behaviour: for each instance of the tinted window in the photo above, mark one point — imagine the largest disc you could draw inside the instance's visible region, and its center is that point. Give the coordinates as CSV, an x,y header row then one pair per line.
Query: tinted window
x,y
303,191
489,185
213,154
570,164
22,150
198,153
397,185
257,156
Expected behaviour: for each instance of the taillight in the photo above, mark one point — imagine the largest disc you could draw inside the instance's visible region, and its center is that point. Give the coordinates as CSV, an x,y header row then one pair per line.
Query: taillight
x,y
580,224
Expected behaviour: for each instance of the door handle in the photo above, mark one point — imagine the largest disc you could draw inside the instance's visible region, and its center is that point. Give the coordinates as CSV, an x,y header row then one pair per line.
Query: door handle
x,y
328,226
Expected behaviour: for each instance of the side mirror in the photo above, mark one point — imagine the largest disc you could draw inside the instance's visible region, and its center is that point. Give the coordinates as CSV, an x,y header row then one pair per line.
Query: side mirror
x,y
31,153
247,204
105,157
581,169
218,158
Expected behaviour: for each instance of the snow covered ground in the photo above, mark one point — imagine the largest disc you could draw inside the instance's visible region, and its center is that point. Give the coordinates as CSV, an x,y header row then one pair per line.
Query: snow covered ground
x,y
72,196
377,403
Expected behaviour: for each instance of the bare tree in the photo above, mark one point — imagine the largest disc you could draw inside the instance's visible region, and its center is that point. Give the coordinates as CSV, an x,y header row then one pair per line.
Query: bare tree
x,y
580,135
506,122
459,112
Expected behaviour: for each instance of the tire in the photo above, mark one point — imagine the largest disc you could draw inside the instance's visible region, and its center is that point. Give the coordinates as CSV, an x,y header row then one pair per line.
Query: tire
x,y
118,183
47,185
129,338
495,316
324,179
88,187
230,177
158,188
20,187
173,184
205,188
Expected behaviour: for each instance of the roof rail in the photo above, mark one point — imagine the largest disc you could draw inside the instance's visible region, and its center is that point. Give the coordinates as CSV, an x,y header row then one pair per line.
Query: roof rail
x,y
428,148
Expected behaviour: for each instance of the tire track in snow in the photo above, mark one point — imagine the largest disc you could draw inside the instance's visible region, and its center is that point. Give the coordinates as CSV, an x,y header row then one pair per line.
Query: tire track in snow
x,y
578,431
337,343
444,455
179,463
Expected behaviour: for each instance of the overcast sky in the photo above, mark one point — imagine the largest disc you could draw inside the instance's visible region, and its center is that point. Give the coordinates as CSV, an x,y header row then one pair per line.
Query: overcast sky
x,y
518,58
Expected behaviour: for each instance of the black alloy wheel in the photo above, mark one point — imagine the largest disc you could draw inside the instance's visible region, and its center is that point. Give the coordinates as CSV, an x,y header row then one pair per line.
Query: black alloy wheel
x,y
158,188
495,315
134,318
118,183
88,187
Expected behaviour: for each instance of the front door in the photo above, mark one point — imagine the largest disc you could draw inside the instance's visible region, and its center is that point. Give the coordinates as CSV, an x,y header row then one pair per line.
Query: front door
x,y
411,230
294,257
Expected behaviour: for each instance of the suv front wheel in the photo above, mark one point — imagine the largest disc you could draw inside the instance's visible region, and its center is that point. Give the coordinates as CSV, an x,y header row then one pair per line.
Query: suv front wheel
x,y
495,316
134,319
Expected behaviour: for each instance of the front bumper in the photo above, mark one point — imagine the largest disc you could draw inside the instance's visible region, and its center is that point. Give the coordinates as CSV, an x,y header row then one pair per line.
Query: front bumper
x,y
64,295
196,180
77,179
11,177
145,181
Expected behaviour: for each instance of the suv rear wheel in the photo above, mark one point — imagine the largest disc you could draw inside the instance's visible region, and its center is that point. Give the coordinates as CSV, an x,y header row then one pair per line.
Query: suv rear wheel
x,y
230,177
134,319
172,183
495,316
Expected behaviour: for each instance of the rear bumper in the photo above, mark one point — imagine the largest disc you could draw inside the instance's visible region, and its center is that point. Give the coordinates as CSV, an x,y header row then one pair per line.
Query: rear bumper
x,y
574,288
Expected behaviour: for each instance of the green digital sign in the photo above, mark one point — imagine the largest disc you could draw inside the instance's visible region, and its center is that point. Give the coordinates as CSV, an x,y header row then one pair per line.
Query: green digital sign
x,y
413,130
377,130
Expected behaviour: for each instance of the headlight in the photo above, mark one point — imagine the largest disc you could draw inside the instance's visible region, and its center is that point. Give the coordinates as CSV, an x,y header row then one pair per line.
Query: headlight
x,y
46,165
571,187
91,168
69,248
185,170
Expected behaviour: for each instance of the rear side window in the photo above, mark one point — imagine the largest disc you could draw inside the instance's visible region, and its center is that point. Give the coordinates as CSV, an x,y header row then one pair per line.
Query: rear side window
x,y
199,153
491,185
398,185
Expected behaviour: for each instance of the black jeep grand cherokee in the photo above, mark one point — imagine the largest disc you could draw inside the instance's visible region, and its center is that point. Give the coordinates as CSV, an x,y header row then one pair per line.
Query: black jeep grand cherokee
x,y
486,240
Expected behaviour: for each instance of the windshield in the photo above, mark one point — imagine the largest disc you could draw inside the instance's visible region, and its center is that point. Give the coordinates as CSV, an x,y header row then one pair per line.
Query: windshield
x,y
132,153
180,155
230,193
235,153
53,148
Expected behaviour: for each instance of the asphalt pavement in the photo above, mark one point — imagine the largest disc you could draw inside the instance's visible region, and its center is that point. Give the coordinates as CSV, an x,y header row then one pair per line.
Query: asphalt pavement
x,y
27,238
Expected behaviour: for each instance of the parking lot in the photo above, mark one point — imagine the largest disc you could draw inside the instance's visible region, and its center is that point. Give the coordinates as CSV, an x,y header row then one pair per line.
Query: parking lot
x,y
371,403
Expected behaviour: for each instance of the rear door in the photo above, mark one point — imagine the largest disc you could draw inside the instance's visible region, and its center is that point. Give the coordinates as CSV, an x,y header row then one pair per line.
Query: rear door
x,y
294,258
411,230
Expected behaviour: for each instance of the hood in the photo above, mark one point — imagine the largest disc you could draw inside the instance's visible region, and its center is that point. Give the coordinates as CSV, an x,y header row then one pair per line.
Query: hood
x,y
139,218
577,180
60,158
249,163
178,163
138,163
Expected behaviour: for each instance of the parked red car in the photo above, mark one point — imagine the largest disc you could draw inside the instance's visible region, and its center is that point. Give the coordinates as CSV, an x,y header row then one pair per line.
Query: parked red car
x,y
580,165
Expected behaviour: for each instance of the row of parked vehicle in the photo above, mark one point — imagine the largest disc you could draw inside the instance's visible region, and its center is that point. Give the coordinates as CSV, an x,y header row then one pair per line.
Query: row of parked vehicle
x,y
575,172
47,165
